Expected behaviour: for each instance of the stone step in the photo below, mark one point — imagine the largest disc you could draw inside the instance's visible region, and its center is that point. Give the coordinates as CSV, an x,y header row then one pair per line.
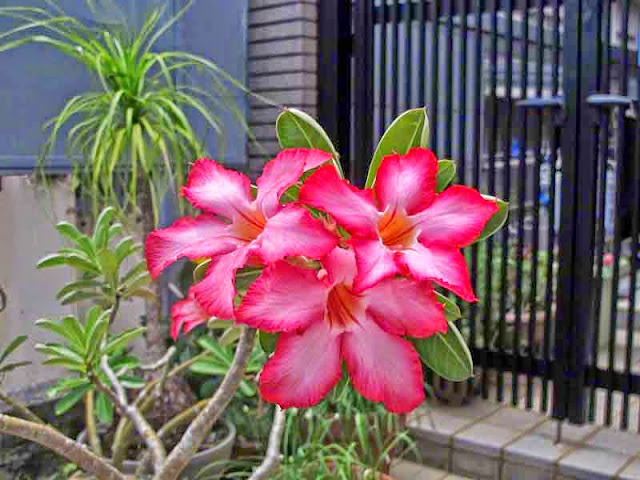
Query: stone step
x,y
405,470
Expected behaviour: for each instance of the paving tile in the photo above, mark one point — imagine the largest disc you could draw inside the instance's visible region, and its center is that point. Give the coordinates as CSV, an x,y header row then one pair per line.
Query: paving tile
x,y
515,419
437,424
622,442
484,439
571,434
404,470
516,471
432,453
631,472
475,465
535,450
592,463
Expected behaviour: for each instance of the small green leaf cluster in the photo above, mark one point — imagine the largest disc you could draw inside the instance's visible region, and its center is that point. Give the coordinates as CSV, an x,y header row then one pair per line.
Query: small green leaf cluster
x,y
101,261
81,346
5,365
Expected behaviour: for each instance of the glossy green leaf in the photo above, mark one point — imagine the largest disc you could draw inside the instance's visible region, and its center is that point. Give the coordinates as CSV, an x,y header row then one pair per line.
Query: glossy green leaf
x,y
78,286
230,336
209,368
451,310
124,248
52,260
129,381
122,340
66,384
101,229
217,324
297,129
75,296
446,354
68,230
409,130
69,400
9,349
8,367
104,409
200,270
267,341
446,174
60,351
496,222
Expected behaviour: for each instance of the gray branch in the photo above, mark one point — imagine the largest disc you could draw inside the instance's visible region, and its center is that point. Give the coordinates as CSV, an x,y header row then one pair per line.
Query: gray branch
x,y
272,459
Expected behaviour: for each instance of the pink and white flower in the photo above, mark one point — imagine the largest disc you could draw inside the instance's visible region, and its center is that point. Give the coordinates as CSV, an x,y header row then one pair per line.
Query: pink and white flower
x,y
324,321
402,226
186,314
237,229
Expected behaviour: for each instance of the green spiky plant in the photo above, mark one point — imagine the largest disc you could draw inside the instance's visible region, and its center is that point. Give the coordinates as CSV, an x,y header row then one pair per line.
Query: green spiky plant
x,y
132,134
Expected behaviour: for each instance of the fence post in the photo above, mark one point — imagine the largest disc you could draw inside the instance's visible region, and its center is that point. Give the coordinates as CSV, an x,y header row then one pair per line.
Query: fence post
x,y
581,71
334,73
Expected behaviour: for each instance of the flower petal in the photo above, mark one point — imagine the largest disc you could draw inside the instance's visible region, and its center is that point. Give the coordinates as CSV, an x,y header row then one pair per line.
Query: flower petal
x,y
353,208
278,175
216,292
293,231
444,265
456,217
408,181
340,264
405,307
199,237
186,313
383,367
216,189
283,298
303,369
375,262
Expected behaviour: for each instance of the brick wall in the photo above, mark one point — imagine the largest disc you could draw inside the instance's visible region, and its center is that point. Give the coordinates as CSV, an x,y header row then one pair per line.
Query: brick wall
x,y
282,65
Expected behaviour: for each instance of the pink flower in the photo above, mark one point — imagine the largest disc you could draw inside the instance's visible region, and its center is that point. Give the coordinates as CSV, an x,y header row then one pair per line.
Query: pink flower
x,y
236,229
325,321
187,314
402,226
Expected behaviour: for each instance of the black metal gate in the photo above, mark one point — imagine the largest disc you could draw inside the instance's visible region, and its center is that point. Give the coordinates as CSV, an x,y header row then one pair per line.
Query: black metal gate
x,y
536,101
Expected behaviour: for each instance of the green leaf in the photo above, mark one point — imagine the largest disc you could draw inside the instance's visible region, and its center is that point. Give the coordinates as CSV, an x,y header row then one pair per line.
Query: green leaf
x,y
52,260
78,296
12,366
69,400
409,130
267,341
104,409
122,340
101,231
66,384
124,248
60,351
109,265
208,343
446,354
200,270
129,381
217,324
80,263
205,367
496,222
296,129
95,337
446,174
78,285
15,343
69,230
451,310
230,336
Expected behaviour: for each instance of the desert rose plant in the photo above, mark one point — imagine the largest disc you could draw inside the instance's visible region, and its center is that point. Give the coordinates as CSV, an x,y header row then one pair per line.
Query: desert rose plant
x,y
327,276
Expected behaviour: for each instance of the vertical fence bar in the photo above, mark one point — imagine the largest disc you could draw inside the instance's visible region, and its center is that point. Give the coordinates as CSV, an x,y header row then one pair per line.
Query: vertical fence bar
x,y
363,108
462,103
422,51
476,159
408,57
435,67
334,73
448,79
551,234
522,191
395,66
533,298
617,236
604,120
506,191
491,182
383,68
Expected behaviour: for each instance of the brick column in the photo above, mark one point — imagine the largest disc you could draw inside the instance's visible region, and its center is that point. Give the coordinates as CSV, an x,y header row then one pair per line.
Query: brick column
x,y
282,65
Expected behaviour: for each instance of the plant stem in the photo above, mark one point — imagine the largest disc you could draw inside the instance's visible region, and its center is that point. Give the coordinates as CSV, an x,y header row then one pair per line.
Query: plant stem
x,y
55,441
272,459
20,408
201,426
119,399
144,402
90,422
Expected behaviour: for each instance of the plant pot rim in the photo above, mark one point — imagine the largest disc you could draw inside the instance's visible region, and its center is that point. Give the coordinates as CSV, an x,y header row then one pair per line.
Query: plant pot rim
x,y
225,443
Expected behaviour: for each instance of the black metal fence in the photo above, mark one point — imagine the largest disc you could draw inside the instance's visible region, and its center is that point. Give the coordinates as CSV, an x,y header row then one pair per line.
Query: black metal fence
x,y
536,101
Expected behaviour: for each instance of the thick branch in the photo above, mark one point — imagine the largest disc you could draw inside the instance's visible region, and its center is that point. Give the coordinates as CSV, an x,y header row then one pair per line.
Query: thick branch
x,y
119,399
20,408
200,428
90,422
55,441
272,459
